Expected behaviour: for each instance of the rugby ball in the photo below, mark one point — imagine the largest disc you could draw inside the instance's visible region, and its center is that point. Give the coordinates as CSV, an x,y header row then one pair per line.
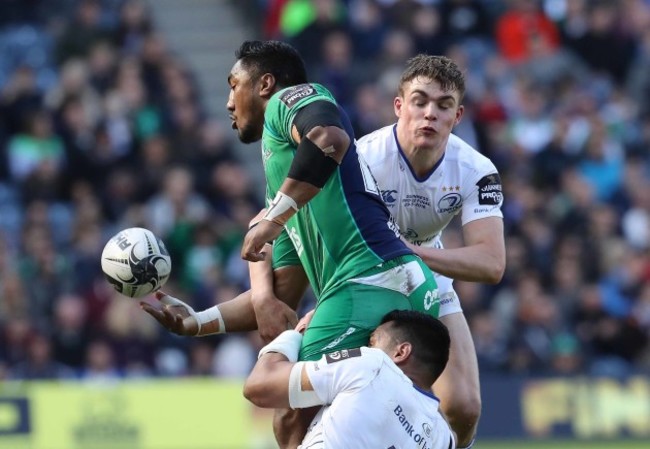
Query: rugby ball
x,y
136,262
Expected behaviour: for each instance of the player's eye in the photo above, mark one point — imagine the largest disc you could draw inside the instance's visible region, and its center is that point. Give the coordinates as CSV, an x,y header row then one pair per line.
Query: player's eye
x,y
444,106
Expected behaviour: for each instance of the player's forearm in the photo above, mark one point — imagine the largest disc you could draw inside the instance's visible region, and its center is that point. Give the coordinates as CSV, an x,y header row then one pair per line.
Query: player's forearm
x,y
301,192
267,384
261,277
235,315
238,313
472,263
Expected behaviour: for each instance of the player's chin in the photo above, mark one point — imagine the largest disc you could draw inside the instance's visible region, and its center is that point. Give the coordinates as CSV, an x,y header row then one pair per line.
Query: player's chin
x,y
426,141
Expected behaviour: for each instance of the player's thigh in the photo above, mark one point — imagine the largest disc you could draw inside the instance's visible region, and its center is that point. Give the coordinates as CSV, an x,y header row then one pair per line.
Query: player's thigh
x,y
459,382
346,318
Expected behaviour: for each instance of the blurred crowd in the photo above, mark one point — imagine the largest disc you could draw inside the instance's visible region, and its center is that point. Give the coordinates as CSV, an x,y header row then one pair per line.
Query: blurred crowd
x,y
103,128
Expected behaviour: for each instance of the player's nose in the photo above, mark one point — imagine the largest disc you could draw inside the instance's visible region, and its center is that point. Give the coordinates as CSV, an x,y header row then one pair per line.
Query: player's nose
x,y
230,104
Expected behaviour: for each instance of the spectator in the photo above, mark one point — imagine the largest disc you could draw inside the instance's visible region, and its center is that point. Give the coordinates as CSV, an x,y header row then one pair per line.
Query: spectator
x,y
100,365
83,32
522,28
40,363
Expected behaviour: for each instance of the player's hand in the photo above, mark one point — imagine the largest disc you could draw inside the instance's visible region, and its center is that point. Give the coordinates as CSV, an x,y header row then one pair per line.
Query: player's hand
x,y
273,317
172,313
255,239
256,219
304,321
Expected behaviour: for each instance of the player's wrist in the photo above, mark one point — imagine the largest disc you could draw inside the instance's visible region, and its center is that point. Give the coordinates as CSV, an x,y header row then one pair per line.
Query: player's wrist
x,y
263,296
281,209
287,344
209,322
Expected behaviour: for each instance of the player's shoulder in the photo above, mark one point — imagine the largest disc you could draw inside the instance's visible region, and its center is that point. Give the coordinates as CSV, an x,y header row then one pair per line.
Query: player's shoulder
x,y
466,156
363,354
380,135
299,95
377,145
363,362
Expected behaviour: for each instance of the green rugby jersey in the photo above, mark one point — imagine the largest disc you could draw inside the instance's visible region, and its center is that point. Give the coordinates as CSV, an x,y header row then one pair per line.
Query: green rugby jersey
x,y
344,230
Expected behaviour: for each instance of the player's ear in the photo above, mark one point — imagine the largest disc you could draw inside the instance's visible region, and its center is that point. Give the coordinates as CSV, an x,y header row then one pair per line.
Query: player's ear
x,y
397,105
459,114
402,352
267,85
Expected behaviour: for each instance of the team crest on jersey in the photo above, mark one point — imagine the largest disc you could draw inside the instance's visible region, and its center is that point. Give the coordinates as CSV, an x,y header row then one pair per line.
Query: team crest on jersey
x,y
450,203
292,95
489,190
343,354
388,196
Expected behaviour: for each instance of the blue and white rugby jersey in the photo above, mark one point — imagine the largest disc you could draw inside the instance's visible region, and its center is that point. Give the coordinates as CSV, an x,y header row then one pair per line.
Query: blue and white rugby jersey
x,y
463,182
370,403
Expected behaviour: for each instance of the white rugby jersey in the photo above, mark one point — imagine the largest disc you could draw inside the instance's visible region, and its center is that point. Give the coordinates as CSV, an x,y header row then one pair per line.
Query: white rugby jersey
x,y
370,403
464,181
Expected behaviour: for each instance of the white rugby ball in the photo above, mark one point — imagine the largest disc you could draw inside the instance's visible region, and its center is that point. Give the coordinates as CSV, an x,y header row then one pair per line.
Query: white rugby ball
x,y
136,262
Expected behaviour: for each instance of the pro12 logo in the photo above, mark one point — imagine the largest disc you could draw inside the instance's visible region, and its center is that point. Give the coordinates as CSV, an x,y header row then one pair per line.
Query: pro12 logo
x,y
489,190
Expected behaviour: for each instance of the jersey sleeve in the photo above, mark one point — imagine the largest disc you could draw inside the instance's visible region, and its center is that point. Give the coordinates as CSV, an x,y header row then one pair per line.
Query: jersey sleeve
x,y
344,370
284,105
485,194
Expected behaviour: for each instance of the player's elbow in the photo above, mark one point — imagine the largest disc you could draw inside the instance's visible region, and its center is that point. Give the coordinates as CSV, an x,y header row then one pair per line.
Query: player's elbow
x,y
495,272
334,141
256,391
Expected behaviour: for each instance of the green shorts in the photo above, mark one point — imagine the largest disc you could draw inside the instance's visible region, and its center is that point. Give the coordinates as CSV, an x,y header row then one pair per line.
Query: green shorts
x,y
346,316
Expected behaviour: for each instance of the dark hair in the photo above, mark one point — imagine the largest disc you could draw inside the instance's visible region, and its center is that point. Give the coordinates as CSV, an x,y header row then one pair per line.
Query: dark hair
x,y
277,58
438,68
428,336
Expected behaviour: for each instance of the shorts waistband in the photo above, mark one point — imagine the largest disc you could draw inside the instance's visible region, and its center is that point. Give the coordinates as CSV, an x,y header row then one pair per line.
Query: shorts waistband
x,y
391,263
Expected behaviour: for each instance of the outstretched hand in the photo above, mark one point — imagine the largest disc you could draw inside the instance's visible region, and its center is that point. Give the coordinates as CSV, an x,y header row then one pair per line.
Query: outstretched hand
x,y
172,313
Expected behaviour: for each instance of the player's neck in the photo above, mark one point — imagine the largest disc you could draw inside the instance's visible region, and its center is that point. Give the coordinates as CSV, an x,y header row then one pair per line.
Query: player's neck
x,y
420,379
422,160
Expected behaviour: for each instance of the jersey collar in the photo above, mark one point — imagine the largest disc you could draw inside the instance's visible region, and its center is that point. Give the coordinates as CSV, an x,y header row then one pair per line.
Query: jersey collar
x,y
427,393
408,164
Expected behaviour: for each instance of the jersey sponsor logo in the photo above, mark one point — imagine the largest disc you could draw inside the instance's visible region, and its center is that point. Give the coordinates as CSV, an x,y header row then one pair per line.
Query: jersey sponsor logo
x,y
343,354
296,93
410,234
447,298
482,210
431,298
421,242
489,190
388,196
339,339
407,425
419,201
295,239
450,203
